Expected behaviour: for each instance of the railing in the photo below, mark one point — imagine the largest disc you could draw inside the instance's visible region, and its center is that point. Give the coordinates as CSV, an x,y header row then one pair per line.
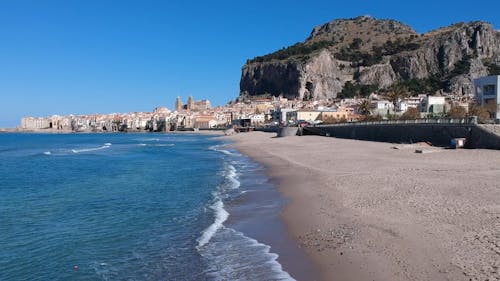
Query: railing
x,y
464,121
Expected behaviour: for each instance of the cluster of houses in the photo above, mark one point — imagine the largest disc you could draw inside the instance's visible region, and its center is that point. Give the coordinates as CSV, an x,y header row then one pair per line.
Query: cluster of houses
x,y
266,112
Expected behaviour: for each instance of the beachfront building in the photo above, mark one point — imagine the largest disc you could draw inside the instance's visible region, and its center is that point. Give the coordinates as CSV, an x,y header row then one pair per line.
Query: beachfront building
x,y
413,102
306,115
382,107
257,119
341,113
487,94
205,122
32,123
433,105
280,115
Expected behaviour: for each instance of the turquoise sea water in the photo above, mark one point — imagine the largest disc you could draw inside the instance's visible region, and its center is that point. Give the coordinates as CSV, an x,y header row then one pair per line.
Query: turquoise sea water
x,y
125,207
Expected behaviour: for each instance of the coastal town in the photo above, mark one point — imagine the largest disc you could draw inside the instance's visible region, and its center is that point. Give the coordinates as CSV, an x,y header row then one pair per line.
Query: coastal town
x,y
367,150
274,111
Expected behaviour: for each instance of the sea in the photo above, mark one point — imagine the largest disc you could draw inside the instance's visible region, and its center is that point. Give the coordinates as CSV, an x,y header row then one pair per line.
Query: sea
x,y
134,207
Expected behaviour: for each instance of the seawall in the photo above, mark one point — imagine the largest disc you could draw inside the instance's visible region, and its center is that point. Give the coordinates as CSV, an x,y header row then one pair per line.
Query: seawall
x,y
437,133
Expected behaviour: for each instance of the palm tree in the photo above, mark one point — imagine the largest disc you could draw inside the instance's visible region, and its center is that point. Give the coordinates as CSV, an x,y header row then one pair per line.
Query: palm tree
x,y
364,107
396,92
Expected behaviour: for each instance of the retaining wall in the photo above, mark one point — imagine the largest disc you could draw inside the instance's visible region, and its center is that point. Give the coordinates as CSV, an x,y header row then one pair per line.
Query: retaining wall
x,y
437,134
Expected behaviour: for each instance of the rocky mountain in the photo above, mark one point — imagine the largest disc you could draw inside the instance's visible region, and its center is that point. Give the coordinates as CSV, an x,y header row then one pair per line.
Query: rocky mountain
x,y
348,57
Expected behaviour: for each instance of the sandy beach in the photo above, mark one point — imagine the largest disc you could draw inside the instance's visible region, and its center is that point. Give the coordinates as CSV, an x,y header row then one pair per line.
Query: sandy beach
x,y
379,211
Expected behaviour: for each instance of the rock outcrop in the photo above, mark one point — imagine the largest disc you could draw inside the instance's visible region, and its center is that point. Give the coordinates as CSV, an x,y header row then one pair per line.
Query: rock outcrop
x,y
377,53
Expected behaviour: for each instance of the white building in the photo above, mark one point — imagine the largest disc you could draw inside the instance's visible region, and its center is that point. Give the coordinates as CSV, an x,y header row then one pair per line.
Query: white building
x,y
487,93
383,107
281,114
205,122
258,119
433,105
32,123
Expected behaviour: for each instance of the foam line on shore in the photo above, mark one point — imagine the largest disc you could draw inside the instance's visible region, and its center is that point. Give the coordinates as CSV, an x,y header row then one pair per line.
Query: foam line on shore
x,y
218,149
220,213
221,216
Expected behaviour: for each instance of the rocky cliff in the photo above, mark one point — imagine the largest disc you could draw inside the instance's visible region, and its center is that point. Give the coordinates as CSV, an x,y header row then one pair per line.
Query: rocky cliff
x,y
375,54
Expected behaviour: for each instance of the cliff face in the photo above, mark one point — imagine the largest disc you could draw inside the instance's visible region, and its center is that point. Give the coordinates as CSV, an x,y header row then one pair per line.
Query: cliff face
x,y
378,53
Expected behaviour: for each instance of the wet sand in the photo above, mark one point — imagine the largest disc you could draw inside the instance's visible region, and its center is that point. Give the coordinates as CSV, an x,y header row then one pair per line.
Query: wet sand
x,y
256,214
379,211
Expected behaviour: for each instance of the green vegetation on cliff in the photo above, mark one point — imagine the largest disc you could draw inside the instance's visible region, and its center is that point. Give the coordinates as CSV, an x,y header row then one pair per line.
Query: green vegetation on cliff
x,y
298,50
353,53
351,90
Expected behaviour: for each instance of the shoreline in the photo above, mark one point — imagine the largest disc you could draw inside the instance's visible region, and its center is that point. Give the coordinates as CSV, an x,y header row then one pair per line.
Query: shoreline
x,y
257,215
377,211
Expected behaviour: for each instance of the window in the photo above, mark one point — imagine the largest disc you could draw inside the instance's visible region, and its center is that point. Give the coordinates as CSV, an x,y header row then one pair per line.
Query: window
x,y
488,89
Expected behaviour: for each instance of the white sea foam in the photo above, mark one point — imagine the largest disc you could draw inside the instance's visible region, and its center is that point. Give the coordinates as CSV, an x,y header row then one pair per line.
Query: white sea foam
x,y
231,255
157,145
218,148
232,176
234,256
89,149
148,139
47,153
272,259
163,145
221,216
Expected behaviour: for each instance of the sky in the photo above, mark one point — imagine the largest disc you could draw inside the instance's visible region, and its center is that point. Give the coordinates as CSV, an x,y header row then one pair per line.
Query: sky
x,y
106,56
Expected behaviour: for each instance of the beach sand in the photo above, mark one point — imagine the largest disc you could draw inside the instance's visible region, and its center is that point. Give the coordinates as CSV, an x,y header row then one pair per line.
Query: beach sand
x,y
379,211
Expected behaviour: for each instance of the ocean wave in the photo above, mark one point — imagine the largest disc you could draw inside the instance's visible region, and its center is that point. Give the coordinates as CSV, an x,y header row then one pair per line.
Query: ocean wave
x,y
90,149
221,216
157,145
232,176
229,254
233,256
231,182
218,149
147,139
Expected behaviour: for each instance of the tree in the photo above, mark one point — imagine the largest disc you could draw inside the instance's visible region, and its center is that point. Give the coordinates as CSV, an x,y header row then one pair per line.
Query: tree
x,y
397,92
480,111
364,107
370,118
356,43
457,112
411,113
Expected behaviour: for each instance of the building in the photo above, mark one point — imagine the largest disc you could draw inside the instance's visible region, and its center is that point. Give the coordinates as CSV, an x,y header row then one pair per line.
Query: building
x,y
433,105
306,115
382,108
487,94
205,122
178,104
202,105
280,115
340,114
32,123
190,103
257,119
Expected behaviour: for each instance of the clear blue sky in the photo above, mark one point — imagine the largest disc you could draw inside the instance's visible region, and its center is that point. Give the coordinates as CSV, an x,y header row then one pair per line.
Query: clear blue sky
x,y
104,56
